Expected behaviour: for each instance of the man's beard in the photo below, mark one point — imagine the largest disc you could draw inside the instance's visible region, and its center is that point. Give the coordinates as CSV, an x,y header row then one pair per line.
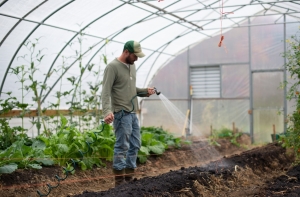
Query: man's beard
x,y
128,60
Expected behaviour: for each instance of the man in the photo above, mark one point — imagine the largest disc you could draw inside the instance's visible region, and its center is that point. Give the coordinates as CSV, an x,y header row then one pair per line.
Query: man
x,y
119,104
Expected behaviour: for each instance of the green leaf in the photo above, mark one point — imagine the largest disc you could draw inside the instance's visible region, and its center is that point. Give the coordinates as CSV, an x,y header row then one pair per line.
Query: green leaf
x,y
82,165
62,148
90,66
170,143
25,149
63,121
144,150
45,161
38,125
35,166
43,139
38,144
22,105
9,168
104,59
157,149
40,59
146,138
142,159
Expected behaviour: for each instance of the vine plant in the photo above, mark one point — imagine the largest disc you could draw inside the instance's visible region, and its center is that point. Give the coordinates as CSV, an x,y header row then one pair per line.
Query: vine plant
x,y
83,100
28,74
20,72
59,94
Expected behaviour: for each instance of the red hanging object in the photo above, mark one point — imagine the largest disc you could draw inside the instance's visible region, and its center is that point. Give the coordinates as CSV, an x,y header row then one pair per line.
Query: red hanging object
x,y
221,16
220,43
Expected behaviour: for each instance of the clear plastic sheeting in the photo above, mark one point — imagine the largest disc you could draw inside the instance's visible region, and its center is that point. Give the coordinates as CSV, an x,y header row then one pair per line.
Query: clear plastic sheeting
x,y
234,50
266,90
18,8
252,73
264,120
206,114
210,115
267,44
268,105
172,79
235,81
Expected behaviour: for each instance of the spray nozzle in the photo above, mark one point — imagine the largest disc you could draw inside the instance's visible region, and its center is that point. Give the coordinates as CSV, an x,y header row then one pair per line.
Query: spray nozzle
x,y
158,93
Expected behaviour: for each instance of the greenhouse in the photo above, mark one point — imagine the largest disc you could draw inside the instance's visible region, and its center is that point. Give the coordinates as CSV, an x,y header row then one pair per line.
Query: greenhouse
x,y
214,65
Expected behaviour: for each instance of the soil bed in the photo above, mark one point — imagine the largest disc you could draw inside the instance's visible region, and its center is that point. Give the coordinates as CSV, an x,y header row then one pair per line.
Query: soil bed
x,y
257,172
194,170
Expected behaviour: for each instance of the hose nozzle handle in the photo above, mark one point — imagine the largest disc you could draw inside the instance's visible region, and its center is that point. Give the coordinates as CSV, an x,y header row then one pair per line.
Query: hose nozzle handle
x,y
157,93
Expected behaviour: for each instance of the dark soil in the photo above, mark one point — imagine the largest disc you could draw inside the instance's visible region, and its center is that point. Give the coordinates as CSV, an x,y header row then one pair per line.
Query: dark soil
x,y
285,185
194,170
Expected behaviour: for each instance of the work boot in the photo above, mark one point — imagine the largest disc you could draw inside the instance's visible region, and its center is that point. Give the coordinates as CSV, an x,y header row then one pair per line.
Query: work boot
x,y
119,177
129,172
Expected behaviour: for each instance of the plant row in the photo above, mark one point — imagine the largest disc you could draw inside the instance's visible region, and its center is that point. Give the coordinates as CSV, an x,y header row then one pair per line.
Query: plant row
x,y
86,149
224,133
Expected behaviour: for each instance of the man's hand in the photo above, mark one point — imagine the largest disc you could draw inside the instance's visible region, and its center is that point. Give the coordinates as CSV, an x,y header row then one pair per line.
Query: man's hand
x,y
109,118
151,91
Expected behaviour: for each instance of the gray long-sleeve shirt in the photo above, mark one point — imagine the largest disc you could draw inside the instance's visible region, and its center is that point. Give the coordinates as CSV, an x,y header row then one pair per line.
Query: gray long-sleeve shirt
x,y
119,87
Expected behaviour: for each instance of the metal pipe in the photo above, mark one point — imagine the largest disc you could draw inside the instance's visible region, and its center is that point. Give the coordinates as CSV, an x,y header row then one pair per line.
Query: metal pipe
x,y
284,79
230,6
3,2
170,13
250,85
235,17
225,64
267,70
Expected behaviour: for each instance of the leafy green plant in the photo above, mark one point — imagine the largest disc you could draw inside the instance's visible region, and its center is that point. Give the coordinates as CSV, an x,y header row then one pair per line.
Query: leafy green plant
x,y
233,140
85,148
213,138
224,133
291,138
9,134
155,140
20,155
101,145
149,144
163,136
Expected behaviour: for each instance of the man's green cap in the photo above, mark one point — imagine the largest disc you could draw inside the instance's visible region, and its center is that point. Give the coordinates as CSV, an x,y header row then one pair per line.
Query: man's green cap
x,y
134,47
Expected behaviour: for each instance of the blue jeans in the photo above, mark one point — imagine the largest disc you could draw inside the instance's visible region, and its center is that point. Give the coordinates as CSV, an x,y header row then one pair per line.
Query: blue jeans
x,y
128,140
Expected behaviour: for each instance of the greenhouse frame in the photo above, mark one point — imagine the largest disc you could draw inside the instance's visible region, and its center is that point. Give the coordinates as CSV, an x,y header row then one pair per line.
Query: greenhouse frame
x,y
218,63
